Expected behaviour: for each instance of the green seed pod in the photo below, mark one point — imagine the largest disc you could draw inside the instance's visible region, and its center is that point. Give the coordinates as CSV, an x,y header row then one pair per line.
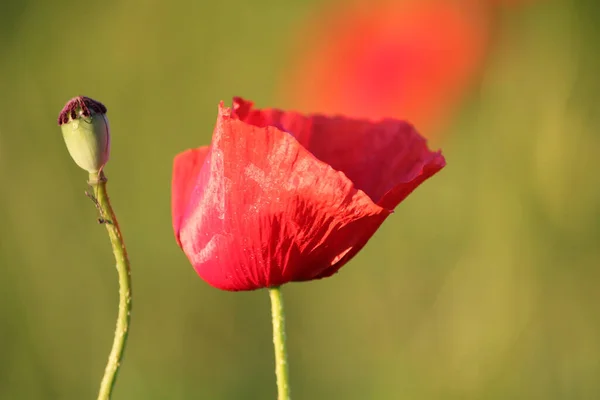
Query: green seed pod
x,y
86,132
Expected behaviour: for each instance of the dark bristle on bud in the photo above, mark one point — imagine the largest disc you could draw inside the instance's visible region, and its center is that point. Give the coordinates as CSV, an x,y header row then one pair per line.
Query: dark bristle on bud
x,y
86,105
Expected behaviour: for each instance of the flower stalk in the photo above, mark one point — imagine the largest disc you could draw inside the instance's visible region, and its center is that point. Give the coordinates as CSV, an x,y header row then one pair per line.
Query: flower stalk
x,y
281,364
107,216
86,132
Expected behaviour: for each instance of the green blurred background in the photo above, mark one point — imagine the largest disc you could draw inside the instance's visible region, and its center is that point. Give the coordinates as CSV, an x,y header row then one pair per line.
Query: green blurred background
x,y
483,284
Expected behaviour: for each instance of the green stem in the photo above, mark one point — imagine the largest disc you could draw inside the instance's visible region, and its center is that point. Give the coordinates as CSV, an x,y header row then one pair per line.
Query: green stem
x,y
281,365
108,217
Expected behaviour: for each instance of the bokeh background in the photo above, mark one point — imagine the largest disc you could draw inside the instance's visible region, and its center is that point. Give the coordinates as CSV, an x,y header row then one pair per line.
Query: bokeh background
x,y
483,284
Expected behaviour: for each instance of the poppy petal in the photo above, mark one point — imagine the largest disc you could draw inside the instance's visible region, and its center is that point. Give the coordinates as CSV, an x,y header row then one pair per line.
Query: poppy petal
x,y
186,168
386,159
264,211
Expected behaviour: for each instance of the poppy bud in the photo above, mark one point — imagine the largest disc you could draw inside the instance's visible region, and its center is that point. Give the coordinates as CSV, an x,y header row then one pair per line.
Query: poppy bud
x,y
86,132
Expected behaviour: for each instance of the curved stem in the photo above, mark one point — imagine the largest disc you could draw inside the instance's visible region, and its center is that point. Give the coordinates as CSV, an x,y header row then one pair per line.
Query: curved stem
x,y
281,365
108,218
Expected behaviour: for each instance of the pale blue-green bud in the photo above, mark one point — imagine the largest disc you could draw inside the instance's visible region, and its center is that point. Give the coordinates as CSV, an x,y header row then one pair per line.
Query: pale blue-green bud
x,y
86,132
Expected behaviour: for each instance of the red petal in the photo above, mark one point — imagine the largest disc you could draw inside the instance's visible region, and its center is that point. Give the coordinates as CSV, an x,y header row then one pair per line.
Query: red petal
x,y
186,167
387,159
265,211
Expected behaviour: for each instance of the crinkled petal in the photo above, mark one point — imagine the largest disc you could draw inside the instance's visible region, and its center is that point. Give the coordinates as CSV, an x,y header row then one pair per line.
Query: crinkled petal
x,y
186,167
265,211
386,159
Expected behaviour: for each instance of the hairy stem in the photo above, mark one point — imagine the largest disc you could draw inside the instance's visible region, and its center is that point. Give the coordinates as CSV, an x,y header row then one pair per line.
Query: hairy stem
x,y
281,365
109,219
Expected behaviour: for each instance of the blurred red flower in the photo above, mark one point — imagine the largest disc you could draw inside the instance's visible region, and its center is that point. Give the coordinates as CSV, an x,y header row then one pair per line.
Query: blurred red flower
x,y
409,59
280,197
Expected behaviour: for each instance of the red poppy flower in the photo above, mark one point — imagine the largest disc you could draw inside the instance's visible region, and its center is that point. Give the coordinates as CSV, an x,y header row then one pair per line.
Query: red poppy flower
x,y
281,197
410,59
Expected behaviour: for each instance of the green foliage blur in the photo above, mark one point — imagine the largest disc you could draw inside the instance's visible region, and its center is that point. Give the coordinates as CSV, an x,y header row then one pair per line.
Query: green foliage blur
x,y
482,285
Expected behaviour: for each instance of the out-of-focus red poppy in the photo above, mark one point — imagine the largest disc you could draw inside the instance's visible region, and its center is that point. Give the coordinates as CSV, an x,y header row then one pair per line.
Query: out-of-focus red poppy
x,y
280,197
410,59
